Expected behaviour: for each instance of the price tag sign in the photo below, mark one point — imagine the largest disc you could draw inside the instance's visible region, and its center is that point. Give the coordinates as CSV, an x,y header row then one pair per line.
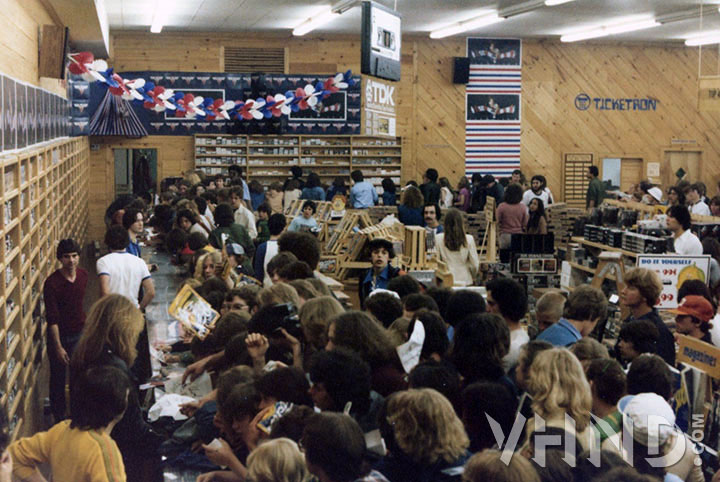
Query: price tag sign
x,y
673,271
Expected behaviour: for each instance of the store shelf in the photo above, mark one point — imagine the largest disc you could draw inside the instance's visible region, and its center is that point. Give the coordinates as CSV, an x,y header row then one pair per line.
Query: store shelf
x,y
604,247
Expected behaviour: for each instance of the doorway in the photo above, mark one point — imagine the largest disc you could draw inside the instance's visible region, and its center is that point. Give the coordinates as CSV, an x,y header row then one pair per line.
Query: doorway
x,y
135,171
621,172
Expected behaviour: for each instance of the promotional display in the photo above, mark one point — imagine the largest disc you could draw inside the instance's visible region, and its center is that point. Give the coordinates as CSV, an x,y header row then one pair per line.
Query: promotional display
x,y
378,108
673,271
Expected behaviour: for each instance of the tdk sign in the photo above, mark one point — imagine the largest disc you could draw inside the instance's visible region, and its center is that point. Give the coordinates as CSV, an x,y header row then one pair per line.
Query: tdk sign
x,y
585,102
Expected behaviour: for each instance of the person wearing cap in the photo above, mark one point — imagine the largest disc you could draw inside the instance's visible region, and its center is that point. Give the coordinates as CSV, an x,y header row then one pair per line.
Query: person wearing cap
x,y
678,221
654,196
236,258
693,316
63,293
493,188
381,272
305,221
659,449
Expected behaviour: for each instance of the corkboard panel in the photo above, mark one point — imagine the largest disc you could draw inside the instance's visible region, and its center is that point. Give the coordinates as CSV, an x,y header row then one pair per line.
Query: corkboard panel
x,y
19,42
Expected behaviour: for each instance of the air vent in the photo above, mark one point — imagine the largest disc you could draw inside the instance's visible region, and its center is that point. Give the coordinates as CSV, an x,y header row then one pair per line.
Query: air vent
x,y
246,60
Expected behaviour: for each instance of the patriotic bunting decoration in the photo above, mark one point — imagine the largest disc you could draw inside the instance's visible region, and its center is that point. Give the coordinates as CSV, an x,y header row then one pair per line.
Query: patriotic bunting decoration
x,y
159,99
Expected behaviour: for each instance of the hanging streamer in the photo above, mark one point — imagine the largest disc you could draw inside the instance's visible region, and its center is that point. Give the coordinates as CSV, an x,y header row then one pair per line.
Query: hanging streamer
x,y
157,98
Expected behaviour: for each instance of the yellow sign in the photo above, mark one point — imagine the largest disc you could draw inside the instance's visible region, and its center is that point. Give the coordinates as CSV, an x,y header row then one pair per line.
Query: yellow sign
x,y
699,354
709,94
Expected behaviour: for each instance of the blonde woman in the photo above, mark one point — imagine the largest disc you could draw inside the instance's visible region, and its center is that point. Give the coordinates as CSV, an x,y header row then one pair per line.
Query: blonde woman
x,y
457,249
212,264
423,434
108,338
277,294
278,460
558,385
315,315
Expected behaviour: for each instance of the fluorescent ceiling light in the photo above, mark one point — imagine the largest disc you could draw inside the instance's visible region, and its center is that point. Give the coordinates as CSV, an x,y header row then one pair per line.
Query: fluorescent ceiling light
x,y
706,39
550,3
613,29
162,8
322,18
472,24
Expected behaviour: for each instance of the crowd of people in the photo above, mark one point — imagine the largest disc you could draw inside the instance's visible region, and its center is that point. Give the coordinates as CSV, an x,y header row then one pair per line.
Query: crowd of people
x,y
307,389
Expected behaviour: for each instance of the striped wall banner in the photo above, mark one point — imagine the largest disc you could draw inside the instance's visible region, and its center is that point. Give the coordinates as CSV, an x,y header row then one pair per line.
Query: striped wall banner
x,y
492,106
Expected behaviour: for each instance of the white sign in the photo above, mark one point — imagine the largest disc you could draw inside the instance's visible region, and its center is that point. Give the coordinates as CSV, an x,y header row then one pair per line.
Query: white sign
x,y
378,107
674,270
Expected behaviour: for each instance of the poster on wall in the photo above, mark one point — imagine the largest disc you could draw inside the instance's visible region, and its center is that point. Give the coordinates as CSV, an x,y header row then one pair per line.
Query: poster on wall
x,y
378,107
337,114
21,107
673,271
493,106
10,119
32,116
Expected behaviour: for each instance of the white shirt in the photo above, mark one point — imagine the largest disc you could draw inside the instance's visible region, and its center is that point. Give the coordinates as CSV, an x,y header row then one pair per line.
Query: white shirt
x,y
688,243
446,198
545,196
245,218
463,264
700,208
126,272
518,338
715,330
270,251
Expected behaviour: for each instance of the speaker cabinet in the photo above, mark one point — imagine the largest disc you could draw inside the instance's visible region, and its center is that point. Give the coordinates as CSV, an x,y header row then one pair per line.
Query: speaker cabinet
x,y
461,70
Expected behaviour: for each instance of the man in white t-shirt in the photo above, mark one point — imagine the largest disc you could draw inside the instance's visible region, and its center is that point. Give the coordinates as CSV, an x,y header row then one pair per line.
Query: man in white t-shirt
x,y
678,221
695,202
507,298
538,189
243,216
123,273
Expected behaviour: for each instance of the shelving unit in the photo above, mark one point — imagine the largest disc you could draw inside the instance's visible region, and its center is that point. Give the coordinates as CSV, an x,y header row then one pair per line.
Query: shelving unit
x,y
269,158
44,198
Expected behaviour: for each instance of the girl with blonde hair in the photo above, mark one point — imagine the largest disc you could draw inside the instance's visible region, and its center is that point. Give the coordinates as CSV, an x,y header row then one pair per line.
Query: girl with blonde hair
x,y
424,436
559,387
277,294
109,338
278,460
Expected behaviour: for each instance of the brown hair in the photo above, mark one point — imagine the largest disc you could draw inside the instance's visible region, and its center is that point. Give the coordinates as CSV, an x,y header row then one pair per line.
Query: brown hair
x,y
412,197
586,303
278,293
361,333
426,427
314,317
647,282
486,465
454,230
113,321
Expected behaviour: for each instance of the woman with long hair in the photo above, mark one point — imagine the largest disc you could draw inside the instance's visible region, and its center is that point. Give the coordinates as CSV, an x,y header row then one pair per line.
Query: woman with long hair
x,y
338,187
537,222
559,387
512,215
315,314
361,333
313,191
676,196
457,249
109,338
463,199
410,210
424,436
446,193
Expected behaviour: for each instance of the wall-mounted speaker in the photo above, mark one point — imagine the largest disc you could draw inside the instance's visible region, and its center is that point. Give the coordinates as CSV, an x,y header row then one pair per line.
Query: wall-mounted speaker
x,y
461,70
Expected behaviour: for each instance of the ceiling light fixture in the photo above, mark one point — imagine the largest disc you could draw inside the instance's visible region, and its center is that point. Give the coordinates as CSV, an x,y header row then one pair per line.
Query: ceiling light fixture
x,y
325,17
707,39
471,24
612,29
162,8
551,3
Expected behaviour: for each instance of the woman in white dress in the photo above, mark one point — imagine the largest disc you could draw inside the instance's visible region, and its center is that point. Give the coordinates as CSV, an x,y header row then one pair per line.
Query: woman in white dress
x,y
457,249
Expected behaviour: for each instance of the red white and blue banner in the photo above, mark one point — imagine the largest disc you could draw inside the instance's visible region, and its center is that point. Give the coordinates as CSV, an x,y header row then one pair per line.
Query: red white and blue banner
x,y
492,106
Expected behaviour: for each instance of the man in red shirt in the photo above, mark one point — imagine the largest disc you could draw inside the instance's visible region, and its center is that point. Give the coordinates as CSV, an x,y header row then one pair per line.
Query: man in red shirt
x,y
63,292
